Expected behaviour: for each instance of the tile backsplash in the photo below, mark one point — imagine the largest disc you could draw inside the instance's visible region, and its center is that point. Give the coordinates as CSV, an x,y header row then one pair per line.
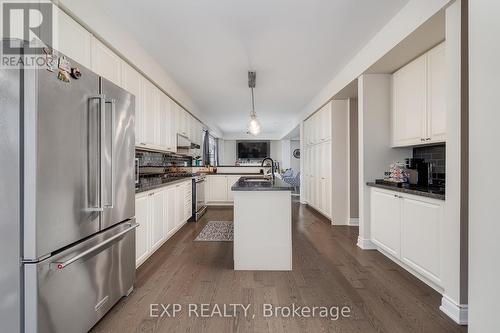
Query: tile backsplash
x,y
155,159
437,156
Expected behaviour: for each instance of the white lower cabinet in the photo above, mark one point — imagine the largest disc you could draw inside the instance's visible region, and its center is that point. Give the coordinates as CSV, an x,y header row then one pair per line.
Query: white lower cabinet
x,y
421,225
409,228
156,207
143,231
386,221
160,213
179,205
188,195
169,205
218,189
231,180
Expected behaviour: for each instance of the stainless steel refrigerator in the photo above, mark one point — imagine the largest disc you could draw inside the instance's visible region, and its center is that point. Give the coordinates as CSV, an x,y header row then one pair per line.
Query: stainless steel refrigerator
x,y
67,200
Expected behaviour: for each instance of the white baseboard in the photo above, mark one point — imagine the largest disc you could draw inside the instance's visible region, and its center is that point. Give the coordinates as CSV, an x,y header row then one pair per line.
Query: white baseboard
x,y
366,244
458,312
353,221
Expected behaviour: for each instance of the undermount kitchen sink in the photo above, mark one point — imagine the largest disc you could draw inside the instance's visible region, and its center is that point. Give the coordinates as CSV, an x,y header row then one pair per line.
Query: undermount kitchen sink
x,y
257,179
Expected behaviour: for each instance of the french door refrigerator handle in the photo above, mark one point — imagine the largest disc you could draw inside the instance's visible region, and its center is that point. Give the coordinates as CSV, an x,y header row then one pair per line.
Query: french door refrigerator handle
x,y
113,124
63,264
99,187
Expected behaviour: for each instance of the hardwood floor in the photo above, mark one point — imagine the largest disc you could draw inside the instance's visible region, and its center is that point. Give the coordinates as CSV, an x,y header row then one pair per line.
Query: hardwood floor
x,y
328,270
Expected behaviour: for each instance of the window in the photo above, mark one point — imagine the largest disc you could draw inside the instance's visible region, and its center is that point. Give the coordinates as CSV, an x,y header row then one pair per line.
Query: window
x,y
212,150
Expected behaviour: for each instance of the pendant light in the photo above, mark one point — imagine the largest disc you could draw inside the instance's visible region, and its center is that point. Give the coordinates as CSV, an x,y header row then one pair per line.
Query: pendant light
x,y
254,124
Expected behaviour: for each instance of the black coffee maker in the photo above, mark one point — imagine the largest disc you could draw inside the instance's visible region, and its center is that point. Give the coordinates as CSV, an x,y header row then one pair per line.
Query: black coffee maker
x,y
422,170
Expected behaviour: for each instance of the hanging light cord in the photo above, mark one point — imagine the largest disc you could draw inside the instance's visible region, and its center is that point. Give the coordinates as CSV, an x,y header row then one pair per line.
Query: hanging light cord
x,y
253,103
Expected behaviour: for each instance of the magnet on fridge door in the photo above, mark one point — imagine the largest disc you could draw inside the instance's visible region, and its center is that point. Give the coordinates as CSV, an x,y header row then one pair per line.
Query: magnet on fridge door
x,y
63,76
75,73
49,59
64,64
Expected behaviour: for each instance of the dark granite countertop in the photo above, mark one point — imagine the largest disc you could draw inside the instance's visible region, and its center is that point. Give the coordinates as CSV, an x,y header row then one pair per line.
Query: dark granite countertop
x,y
429,192
167,182
274,185
239,166
234,173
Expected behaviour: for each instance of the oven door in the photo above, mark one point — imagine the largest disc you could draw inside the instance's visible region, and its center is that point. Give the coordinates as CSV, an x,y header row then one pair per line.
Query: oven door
x,y
200,195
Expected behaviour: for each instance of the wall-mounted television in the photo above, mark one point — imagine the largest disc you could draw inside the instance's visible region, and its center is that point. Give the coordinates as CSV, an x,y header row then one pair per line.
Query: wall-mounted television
x,y
252,149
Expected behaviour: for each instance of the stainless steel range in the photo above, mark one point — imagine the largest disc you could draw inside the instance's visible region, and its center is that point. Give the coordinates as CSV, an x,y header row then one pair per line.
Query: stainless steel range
x,y
199,203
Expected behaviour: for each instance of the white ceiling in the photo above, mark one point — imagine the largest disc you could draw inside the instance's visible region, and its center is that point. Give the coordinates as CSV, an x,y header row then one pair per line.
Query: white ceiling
x,y
296,47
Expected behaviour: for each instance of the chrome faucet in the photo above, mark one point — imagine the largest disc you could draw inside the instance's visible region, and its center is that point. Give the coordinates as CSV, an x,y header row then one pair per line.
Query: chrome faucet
x,y
272,165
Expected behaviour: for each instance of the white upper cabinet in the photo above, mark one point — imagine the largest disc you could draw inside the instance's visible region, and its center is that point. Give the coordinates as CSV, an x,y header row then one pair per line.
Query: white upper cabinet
x,y
172,127
151,114
181,119
74,40
106,63
317,128
436,94
418,100
326,123
409,103
164,125
158,118
131,81
161,138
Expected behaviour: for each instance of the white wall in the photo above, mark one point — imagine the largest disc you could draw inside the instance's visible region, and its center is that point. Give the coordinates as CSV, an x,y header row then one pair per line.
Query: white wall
x,y
454,298
484,117
276,151
340,162
294,162
353,168
374,139
227,151
286,155
414,14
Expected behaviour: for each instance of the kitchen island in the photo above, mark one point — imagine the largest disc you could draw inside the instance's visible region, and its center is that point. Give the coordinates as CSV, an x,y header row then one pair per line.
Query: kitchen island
x,y
262,224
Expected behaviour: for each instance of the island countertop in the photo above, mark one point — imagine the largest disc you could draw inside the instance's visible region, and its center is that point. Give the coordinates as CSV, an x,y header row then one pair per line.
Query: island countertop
x,y
272,185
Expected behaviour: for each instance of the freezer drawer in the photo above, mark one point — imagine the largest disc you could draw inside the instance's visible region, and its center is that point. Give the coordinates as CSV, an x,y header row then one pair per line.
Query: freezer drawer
x,y
72,290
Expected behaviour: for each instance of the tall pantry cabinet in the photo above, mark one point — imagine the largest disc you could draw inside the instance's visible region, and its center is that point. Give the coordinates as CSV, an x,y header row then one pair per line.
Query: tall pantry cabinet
x,y
326,161
317,160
